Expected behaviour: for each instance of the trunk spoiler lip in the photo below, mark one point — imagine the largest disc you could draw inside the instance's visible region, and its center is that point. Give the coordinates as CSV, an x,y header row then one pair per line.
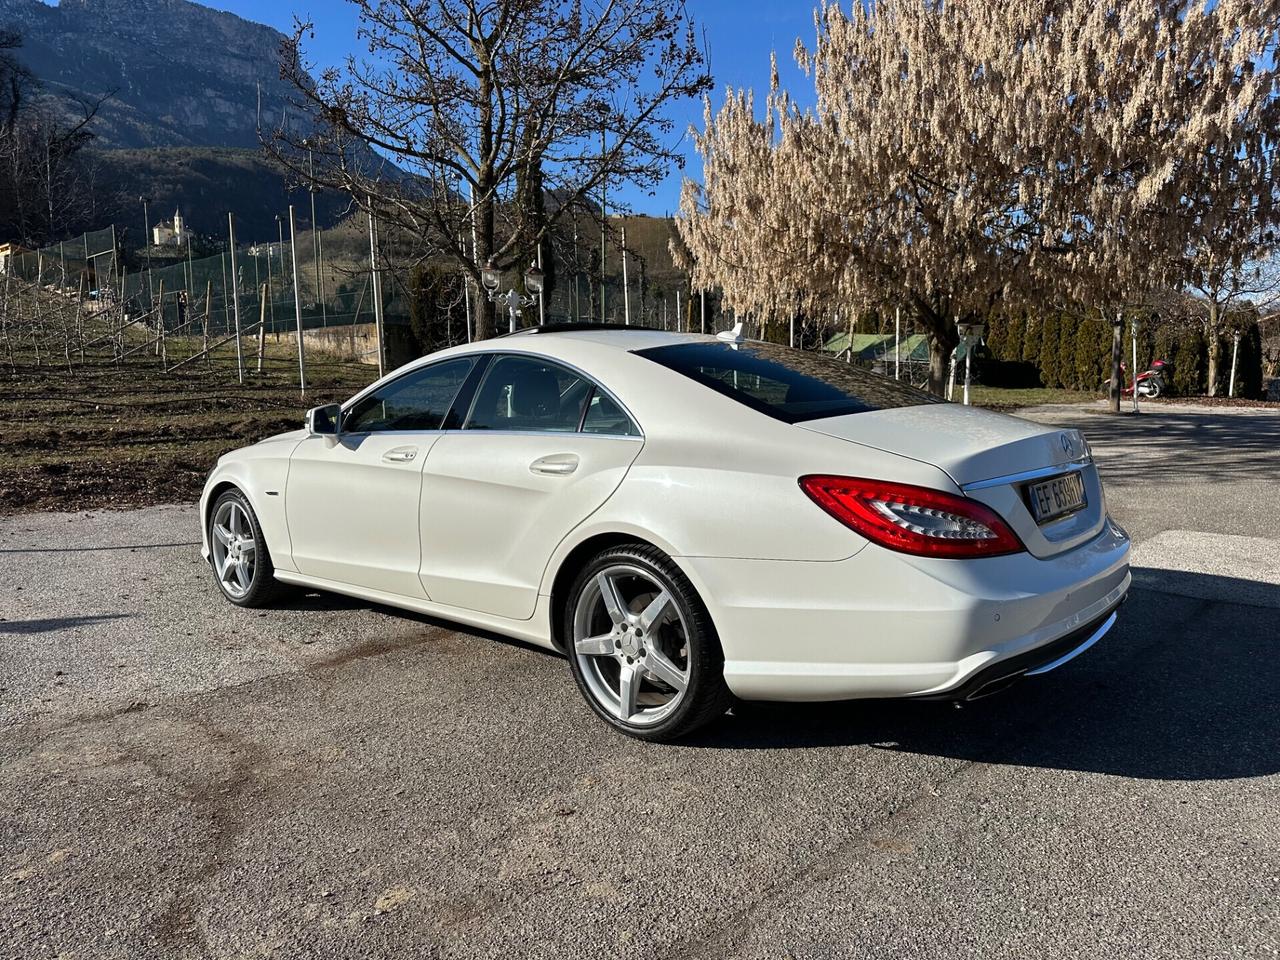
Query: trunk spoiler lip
x,y
1022,476
1079,463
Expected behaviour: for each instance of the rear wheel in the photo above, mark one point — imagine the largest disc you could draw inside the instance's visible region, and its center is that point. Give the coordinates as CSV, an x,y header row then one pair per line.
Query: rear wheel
x,y
642,647
238,553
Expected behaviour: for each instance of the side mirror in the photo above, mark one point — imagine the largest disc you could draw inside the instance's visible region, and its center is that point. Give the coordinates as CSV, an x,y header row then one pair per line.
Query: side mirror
x,y
324,421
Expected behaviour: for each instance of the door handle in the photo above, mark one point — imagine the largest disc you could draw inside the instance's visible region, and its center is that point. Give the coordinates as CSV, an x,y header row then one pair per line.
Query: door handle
x,y
556,465
400,455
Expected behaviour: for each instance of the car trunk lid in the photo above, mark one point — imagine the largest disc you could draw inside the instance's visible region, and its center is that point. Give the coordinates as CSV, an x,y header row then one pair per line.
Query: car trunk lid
x,y
992,457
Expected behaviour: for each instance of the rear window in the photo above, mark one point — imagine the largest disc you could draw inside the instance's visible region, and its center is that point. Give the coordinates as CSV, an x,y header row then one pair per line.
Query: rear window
x,y
789,385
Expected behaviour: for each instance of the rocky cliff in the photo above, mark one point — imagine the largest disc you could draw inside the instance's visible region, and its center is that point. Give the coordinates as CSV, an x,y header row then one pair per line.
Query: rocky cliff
x,y
183,75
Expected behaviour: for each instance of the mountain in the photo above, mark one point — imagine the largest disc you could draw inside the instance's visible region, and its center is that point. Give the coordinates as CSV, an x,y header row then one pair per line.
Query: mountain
x,y
205,183
180,74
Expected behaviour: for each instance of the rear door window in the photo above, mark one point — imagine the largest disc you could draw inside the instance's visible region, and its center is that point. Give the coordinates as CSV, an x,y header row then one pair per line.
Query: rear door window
x,y
788,385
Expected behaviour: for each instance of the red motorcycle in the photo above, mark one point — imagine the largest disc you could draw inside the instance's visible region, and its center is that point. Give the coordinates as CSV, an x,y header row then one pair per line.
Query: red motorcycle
x,y
1151,382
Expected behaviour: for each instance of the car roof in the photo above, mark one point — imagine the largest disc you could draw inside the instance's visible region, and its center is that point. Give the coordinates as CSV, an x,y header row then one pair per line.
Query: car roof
x,y
615,335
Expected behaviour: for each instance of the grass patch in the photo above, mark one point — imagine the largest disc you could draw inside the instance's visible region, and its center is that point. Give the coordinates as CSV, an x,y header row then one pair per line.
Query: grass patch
x,y
997,398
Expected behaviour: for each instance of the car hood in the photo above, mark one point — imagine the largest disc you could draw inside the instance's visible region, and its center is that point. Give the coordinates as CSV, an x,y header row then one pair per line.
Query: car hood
x,y
969,443
292,435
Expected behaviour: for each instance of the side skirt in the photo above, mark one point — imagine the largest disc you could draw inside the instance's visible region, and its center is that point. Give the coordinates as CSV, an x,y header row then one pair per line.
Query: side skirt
x,y
536,630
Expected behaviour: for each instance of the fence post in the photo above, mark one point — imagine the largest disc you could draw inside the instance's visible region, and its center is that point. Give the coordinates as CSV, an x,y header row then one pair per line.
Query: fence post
x,y
208,308
297,300
1235,354
626,288
897,343
235,295
377,287
262,325
542,291
161,347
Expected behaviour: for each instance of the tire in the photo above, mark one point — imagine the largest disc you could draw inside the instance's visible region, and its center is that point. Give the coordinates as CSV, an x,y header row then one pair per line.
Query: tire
x,y
645,656
1153,388
248,580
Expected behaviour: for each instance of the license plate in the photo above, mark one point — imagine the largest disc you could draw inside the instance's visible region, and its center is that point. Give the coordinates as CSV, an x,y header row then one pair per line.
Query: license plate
x,y
1056,497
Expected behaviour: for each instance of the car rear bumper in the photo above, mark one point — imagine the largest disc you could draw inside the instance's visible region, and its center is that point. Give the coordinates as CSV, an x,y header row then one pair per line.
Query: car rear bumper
x,y
881,624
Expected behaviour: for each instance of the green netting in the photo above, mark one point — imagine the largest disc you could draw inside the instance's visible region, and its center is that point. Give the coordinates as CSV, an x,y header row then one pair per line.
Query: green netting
x,y
87,262
256,285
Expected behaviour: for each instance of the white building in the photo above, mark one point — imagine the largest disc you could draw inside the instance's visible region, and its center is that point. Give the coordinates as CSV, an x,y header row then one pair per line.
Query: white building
x,y
174,233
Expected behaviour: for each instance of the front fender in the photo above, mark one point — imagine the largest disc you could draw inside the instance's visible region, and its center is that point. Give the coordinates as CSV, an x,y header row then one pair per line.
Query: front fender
x,y
261,474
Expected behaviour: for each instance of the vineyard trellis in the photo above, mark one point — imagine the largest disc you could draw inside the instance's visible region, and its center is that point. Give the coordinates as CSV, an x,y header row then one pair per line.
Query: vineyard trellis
x,y
76,302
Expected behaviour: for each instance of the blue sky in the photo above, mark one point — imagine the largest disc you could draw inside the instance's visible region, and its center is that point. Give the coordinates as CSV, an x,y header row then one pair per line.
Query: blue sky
x,y
740,34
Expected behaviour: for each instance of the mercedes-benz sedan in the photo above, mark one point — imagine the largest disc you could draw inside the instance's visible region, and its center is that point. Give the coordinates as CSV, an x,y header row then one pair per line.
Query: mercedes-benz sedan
x,y
689,519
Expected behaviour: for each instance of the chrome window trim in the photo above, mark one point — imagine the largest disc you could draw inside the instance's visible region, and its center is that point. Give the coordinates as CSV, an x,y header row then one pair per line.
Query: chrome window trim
x,y
478,355
492,433
1073,466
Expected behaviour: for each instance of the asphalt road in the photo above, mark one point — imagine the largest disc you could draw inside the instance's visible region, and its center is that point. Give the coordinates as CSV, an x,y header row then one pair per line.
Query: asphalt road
x,y
179,778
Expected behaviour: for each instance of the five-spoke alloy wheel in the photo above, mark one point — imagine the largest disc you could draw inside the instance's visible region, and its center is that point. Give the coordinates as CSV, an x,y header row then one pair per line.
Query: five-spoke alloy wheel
x,y
642,646
238,553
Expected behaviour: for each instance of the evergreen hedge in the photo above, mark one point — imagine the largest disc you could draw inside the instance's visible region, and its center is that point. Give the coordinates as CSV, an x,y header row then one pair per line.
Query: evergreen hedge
x,y
1074,352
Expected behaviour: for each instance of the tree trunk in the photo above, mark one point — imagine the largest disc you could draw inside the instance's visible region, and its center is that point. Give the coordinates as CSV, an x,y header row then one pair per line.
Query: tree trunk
x,y
943,341
1215,349
1117,350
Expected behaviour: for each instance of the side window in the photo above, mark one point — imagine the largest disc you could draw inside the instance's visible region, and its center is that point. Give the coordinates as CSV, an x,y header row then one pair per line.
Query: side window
x,y
605,416
416,401
529,394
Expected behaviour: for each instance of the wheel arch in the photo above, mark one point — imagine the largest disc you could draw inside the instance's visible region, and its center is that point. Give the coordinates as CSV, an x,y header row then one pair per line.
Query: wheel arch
x,y
217,490
579,555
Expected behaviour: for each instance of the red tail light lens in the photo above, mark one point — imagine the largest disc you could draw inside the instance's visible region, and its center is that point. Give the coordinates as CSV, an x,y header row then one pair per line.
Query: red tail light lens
x,y
915,520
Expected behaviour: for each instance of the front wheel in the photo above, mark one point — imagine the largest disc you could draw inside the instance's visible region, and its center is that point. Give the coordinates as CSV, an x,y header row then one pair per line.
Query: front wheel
x,y
238,553
642,647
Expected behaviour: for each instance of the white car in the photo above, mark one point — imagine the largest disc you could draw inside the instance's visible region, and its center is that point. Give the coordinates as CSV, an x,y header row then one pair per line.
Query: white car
x,y
689,519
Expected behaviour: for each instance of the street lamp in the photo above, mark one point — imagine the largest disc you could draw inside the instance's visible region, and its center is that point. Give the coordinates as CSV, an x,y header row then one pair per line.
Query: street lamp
x,y
491,278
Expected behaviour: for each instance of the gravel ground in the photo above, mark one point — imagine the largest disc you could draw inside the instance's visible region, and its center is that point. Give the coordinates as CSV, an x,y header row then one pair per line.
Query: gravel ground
x,y
180,778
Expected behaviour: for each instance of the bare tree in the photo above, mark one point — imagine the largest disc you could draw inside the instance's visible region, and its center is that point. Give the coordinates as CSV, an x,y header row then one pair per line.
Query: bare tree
x,y
964,156
16,81
464,95
47,184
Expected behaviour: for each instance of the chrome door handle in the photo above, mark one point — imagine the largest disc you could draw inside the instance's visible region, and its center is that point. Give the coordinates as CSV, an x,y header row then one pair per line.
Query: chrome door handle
x,y
400,455
556,465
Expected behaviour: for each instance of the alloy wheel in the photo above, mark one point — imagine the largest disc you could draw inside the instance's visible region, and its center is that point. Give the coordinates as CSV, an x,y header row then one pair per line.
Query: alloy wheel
x,y
234,549
630,638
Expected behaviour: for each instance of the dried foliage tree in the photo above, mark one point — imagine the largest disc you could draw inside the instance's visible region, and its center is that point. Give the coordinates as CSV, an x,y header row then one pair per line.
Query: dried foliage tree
x,y
966,156
471,99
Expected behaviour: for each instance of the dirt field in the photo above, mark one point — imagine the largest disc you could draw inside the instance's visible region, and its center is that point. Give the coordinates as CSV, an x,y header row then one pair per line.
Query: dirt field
x,y
103,435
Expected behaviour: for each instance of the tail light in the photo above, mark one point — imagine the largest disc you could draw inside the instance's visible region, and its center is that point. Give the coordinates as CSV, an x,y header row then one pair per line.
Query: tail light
x,y
914,520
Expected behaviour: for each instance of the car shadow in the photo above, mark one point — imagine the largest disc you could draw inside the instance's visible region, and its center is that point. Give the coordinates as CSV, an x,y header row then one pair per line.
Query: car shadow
x,y
1185,687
